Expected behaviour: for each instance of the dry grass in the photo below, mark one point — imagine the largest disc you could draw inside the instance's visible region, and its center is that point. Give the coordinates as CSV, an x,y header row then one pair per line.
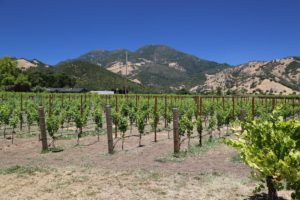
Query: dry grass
x,y
91,183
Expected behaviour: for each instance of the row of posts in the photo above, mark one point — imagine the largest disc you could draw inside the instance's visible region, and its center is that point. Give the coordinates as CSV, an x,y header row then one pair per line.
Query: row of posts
x,y
198,102
43,134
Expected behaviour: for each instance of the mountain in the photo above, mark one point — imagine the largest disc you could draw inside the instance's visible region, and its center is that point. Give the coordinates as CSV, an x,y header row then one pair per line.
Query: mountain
x,y
93,77
280,76
76,73
156,66
25,64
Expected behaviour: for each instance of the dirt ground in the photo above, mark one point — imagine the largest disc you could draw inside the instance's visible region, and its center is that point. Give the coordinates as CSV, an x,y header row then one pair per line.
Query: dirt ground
x,y
86,171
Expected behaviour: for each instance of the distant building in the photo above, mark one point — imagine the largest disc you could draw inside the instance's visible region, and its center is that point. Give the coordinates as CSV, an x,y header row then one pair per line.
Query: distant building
x,y
67,90
107,92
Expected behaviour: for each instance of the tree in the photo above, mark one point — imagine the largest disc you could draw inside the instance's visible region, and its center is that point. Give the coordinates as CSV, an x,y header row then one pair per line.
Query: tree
x,y
8,73
12,78
219,91
22,83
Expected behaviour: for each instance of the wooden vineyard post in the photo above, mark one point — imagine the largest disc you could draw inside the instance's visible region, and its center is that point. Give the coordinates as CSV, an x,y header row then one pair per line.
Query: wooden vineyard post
x,y
62,101
242,114
200,106
293,106
233,106
117,109
136,101
43,128
253,112
223,106
175,131
155,119
81,108
21,113
284,101
148,105
81,115
50,109
266,102
196,106
42,101
273,103
109,131
165,112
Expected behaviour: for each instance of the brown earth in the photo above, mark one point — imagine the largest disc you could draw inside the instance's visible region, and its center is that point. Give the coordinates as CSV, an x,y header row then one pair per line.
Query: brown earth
x,y
86,171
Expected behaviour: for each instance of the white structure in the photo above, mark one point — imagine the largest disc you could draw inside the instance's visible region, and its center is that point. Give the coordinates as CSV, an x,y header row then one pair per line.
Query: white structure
x,y
103,92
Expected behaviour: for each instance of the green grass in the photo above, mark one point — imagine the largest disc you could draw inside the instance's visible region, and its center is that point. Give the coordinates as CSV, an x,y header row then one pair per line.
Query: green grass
x,y
56,149
196,150
193,150
18,169
237,158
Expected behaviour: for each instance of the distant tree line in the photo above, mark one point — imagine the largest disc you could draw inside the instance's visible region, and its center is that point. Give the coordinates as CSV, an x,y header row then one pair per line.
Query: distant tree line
x,y
14,79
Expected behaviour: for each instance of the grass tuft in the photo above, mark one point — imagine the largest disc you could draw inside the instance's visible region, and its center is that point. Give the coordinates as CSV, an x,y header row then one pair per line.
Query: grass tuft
x,y
193,150
17,169
237,158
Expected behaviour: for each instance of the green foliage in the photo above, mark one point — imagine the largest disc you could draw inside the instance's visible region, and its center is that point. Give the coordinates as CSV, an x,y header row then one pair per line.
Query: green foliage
x,y
22,83
62,117
52,124
80,120
271,147
93,77
49,77
98,118
123,124
199,125
31,114
211,123
11,78
5,113
189,126
182,125
116,116
220,119
13,122
168,117
292,68
141,118
132,113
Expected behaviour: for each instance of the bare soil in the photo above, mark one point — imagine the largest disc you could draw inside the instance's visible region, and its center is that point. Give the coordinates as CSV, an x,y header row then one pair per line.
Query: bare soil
x,y
86,171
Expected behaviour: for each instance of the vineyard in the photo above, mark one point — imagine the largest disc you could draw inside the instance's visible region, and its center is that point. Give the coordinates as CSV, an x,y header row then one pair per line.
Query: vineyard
x,y
70,115
130,122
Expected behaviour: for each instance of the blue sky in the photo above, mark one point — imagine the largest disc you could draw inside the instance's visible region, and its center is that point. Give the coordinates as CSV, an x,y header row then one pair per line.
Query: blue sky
x,y
231,31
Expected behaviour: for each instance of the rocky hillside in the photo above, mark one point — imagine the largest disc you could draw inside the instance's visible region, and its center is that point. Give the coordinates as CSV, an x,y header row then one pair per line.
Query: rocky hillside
x,y
25,64
165,69
276,76
93,77
156,65
77,73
